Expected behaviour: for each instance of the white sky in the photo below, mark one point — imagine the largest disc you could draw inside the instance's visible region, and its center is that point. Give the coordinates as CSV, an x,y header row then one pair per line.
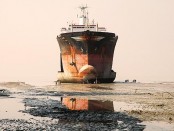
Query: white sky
x,y
29,50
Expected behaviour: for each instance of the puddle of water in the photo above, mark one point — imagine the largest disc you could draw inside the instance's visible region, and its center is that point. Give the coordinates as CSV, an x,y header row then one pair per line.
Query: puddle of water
x,y
11,108
98,105
85,104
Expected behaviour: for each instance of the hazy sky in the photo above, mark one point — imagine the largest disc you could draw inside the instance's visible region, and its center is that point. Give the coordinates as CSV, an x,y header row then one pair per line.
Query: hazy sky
x,y
29,50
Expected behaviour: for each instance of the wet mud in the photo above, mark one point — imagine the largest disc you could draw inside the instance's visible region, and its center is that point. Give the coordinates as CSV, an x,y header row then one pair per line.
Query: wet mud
x,y
87,107
82,120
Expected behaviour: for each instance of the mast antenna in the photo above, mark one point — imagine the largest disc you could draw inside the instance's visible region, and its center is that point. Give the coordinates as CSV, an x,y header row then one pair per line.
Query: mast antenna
x,y
84,15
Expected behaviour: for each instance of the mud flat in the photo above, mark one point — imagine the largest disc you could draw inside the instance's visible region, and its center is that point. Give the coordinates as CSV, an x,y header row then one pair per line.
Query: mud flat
x,y
117,106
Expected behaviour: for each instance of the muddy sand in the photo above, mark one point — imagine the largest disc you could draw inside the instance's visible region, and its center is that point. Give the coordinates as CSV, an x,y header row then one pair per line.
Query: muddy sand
x,y
117,106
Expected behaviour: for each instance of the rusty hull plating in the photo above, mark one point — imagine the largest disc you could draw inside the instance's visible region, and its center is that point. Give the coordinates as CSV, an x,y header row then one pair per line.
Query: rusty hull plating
x,y
86,57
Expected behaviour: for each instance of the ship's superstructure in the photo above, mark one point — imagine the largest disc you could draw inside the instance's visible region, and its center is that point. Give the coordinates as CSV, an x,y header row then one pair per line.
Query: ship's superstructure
x,y
86,52
83,24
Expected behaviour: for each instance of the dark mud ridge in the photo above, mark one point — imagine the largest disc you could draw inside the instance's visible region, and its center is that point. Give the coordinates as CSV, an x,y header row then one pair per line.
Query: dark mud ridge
x,y
4,92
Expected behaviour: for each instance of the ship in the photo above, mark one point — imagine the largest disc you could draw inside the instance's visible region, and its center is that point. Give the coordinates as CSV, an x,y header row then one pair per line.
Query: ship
x,y
86,52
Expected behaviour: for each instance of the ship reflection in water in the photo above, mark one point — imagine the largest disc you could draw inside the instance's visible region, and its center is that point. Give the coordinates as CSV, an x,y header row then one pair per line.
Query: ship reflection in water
x,y
85,104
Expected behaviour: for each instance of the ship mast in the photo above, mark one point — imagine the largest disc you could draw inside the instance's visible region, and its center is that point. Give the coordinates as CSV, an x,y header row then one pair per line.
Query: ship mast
x,y
83,20
83,24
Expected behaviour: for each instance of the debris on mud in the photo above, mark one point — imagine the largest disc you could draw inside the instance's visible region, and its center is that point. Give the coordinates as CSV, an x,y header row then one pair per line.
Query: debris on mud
x,y
4,92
